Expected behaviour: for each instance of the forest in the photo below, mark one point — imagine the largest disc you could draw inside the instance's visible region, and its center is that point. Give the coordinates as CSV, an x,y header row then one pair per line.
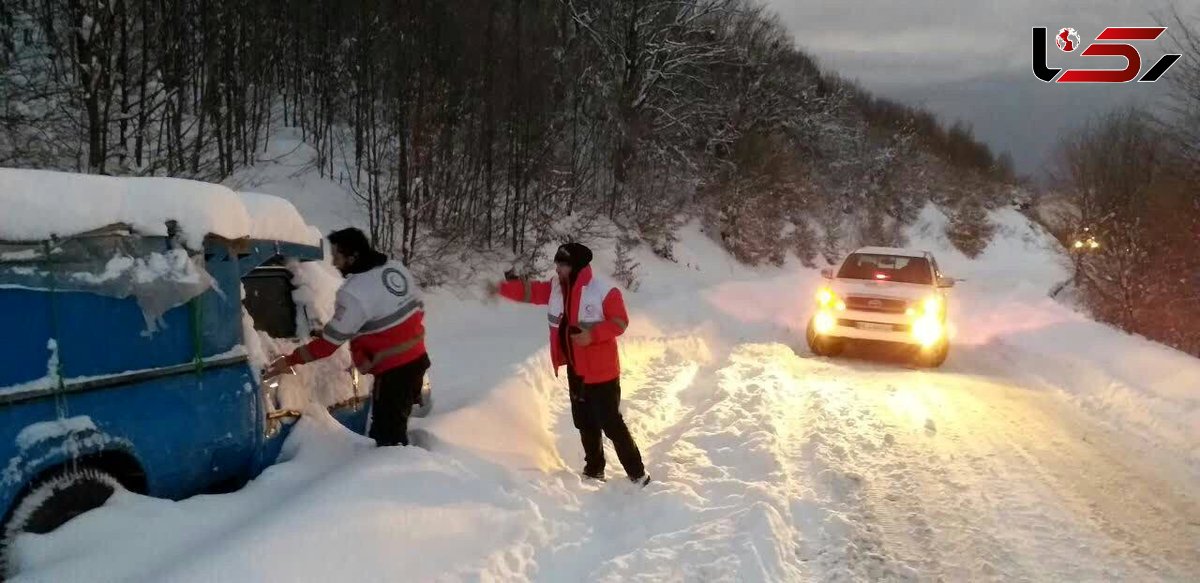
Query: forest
x,y
464,126
477,122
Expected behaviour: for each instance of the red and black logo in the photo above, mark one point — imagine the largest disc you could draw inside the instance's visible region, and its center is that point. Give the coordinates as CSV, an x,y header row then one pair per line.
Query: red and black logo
x,y
1068,41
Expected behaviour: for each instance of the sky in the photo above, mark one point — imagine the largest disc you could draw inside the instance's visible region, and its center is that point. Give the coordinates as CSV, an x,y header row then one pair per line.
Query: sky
x,y
971,60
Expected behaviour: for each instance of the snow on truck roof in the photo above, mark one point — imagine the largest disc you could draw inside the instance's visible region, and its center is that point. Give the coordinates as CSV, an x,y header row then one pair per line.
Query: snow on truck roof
x,y
891,251
38,204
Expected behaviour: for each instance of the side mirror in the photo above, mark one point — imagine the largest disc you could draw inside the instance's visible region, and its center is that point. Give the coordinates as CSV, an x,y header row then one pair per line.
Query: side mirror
x,y
946,282
827,273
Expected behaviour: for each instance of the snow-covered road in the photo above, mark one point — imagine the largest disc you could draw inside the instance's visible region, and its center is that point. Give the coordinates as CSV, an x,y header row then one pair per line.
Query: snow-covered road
x,y
960,477
783,467
1048,448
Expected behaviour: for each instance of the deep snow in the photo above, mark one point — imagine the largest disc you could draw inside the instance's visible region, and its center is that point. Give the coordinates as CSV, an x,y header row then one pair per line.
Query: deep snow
x,y
39,204
1049,447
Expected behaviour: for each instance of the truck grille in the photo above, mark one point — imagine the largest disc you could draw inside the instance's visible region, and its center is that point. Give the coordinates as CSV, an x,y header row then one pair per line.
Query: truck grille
x,y
880,305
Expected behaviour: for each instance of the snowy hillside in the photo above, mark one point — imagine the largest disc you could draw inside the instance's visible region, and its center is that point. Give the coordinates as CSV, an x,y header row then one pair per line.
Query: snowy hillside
x,y
1049,447
286,169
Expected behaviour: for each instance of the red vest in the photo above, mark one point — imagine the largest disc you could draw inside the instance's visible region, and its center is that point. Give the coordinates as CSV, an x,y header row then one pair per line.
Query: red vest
x,y
595,305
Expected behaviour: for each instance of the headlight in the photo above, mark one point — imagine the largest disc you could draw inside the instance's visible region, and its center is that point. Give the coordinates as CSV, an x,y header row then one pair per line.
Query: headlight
x,y
927,330
930,306
824,322
828,300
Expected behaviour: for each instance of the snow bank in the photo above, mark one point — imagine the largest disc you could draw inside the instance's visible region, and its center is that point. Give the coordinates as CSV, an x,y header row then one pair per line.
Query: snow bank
x,y
339,509
39,204
1141,388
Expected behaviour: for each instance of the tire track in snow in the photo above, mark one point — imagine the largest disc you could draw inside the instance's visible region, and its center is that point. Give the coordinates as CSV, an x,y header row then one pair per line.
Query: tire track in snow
x,y
945,476
847,539
1133,491
726,455
1147,522
657,373
721,510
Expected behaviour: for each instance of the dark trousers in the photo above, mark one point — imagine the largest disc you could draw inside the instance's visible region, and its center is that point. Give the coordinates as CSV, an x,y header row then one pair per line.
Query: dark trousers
x,y
392,400
595,411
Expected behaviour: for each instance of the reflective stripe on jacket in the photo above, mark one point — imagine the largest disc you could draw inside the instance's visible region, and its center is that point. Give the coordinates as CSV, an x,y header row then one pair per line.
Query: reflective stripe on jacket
x,y
381,313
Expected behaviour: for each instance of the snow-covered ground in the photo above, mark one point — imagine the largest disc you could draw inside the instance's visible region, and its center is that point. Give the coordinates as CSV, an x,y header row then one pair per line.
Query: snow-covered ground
x,y
1049,447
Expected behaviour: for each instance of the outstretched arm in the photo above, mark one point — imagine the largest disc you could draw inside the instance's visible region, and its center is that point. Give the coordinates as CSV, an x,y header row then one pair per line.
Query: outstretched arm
x,y
529,292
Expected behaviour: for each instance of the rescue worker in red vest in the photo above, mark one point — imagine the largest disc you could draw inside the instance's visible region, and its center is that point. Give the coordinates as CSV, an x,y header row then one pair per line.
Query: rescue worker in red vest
x,y
380,312
586,314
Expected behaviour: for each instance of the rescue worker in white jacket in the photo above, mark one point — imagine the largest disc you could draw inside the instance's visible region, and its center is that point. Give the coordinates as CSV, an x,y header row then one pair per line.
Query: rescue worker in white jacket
x,y
381,313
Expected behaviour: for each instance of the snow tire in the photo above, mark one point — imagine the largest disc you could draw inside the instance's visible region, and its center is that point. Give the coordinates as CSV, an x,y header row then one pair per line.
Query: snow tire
x,y
823,345
52,502
935,357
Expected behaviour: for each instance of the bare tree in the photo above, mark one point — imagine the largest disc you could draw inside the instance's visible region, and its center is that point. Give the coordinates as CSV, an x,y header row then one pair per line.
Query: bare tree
x,y
1184,110
483,124
1137,204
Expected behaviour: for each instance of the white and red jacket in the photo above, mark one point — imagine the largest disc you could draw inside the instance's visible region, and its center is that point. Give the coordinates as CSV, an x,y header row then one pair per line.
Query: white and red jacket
x,y
594,305
381,313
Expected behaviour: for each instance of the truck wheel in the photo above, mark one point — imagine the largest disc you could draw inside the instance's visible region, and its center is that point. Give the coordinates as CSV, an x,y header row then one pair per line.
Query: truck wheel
x,y
823,345
52,502
935,356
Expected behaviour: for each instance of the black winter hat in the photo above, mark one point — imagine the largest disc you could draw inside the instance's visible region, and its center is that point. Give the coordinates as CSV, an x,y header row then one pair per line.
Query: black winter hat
x,y
576,255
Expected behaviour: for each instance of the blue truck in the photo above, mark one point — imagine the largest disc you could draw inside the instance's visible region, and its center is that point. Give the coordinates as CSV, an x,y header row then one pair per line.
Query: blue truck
x,y
114,373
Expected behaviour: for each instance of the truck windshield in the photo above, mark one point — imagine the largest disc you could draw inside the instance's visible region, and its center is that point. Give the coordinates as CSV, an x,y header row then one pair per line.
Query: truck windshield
x,y
886,268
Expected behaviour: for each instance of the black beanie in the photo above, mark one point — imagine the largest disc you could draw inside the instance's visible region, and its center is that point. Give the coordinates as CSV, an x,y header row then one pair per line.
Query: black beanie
x,y
576,255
